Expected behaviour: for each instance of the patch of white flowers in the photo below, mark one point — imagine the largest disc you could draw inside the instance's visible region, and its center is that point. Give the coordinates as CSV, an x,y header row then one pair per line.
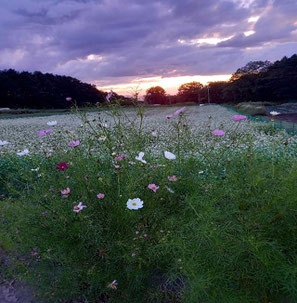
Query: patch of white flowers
x,y
20,134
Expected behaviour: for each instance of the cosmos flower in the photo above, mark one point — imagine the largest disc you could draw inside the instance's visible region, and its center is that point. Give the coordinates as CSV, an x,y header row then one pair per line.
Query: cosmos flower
x,y
62,166
113,284
176,113
68,99
239,117
44,132
218,132
153,187
3,143
140,156
169,189
134,203
170,156
274,113
77,208
65,191
109,95
51,123
35,169
74,143
172,178
100,196
102,138
24,152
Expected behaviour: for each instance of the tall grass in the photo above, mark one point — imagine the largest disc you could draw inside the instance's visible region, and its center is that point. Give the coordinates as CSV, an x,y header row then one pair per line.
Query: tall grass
x,y
225,231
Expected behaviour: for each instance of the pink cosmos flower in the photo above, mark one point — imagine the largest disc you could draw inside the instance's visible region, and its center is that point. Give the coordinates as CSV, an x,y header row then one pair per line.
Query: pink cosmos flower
x,y
68,99
62,166
239,117
218,132
119,158
153,187
172,178
137,232
100,196
77,208
109,95
133,254
176,113
44,132
65,191
145,235
73,143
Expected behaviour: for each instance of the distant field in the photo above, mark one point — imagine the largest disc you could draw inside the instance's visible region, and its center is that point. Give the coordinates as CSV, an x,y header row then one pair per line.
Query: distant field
x,y
21,133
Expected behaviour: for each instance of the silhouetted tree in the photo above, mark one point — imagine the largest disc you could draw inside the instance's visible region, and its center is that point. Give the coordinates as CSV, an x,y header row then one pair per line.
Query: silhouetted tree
x,y
156,95
190,92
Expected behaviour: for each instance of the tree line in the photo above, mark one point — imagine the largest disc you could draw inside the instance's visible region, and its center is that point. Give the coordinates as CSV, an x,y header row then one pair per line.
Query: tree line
x,y
256,81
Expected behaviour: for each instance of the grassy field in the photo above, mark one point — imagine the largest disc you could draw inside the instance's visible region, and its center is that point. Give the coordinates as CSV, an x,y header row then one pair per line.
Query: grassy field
x,y
126,205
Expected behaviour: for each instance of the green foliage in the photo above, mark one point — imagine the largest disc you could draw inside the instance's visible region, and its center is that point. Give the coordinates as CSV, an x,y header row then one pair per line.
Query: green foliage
x,y
226,233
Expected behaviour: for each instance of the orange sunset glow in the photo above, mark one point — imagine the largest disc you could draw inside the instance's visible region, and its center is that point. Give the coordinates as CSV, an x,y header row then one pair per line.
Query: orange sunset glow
x,y
170,84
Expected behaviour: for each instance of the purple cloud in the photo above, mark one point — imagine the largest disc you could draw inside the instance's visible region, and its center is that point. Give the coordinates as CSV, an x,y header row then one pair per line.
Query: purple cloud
x,y
112,41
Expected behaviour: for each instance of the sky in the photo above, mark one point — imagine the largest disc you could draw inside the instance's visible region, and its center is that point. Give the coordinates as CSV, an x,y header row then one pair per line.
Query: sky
x,y
129,46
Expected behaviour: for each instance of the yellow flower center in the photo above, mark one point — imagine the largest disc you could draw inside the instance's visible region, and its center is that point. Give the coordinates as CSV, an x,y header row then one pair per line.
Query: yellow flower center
x,y
134,204
102,137
76,208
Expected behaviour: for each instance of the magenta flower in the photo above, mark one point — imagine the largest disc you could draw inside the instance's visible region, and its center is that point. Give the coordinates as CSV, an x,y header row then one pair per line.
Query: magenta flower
x,y
137,232
145,235
73,143
100,196
172,178
68,99
62,166
65,191
176,113
153,187
239,117
133,254
44,132
218,132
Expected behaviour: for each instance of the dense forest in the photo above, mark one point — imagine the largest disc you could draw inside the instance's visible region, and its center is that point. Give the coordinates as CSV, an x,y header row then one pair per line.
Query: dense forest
x,y
256,81
38,90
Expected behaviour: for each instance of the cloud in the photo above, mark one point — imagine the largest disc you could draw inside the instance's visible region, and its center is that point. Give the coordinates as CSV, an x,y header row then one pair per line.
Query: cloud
x,y
100,40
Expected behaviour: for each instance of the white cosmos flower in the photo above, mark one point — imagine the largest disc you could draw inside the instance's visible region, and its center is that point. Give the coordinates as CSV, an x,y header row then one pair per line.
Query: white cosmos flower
x,y
154,134
24,152
3,143
170,156
102,138
35,169
134,203
274,113
139,157
169,189
51,123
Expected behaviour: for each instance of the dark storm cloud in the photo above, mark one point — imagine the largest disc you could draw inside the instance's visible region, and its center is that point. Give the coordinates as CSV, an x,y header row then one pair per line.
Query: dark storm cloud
x,y
142,38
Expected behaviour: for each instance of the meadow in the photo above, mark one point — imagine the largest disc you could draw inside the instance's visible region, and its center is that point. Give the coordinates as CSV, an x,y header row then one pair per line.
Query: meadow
x,y
193,204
